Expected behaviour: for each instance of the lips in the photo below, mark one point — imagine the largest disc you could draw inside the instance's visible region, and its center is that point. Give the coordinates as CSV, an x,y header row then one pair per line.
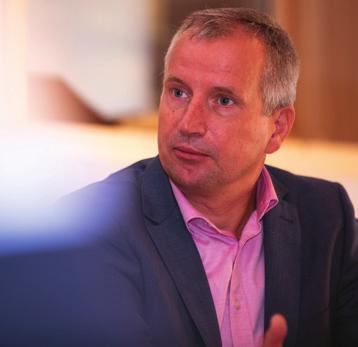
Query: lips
x,y
188,153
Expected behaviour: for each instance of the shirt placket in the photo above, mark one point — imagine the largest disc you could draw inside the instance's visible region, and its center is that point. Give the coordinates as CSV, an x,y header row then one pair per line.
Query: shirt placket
x,y
241,327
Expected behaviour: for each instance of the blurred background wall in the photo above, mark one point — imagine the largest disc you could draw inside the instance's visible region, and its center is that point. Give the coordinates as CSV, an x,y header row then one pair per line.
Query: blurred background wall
x,y
101,50
102,60
96,66
325,33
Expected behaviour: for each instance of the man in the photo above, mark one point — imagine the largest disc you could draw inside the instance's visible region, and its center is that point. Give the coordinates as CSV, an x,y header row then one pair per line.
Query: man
x,y
204,245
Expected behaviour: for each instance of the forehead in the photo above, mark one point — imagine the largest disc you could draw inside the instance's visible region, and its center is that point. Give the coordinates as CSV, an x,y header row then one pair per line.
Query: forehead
x,y
238,57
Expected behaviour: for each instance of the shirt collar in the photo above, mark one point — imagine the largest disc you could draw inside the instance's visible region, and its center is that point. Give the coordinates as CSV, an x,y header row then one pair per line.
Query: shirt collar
x,y
266,196
266,199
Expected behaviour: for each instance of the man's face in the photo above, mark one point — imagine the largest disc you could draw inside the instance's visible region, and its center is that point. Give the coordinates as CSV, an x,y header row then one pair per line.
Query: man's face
x,y
212,134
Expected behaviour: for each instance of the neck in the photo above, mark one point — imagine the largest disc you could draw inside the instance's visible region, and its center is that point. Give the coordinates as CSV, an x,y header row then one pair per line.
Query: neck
x,y
229,209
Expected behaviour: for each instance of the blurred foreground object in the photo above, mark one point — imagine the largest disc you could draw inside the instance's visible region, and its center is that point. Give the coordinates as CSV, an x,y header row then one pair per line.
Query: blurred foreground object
x,y
51,98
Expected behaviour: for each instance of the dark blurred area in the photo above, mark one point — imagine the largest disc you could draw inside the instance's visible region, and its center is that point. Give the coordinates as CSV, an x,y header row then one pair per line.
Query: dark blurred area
x,y
57,289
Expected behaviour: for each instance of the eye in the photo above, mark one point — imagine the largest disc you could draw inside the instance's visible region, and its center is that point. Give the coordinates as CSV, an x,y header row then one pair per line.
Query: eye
x,y
225,101
178,93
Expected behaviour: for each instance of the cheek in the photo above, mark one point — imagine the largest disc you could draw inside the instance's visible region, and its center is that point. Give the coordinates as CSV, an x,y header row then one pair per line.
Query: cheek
x,y
168,119
257,132
166,127
237,144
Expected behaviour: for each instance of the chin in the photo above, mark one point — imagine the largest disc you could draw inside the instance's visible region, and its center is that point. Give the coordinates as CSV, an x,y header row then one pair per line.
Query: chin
x,y
184,177
191,183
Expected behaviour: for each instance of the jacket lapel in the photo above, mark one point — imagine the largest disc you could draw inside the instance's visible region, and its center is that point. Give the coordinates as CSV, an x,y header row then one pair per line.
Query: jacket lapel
x,y
282,245
178,251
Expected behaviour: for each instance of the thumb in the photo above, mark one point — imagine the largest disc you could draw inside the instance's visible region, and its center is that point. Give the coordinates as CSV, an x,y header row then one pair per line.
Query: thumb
x,y
277,331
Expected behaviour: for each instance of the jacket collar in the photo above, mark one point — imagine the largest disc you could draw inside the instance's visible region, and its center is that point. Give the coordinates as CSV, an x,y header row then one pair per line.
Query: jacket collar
x,y
282,245
178,251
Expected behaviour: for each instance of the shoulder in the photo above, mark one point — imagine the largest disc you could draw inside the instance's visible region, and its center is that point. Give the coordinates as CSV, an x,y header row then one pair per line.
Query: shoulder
x,y
118,183
289,178
116,198
314,198
303,186
129,176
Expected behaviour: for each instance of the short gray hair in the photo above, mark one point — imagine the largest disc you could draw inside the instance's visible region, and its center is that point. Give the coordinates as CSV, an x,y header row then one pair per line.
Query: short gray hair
x,y
280,73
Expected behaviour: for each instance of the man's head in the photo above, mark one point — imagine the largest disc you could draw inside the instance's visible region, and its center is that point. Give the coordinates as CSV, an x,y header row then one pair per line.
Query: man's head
x,y
280,73
227,100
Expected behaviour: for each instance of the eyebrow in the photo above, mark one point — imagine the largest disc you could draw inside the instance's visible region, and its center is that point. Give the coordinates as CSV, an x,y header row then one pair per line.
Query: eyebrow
x,y
175,79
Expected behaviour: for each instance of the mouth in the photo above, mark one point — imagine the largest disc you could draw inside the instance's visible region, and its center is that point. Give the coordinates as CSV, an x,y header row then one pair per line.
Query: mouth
x,y
188,153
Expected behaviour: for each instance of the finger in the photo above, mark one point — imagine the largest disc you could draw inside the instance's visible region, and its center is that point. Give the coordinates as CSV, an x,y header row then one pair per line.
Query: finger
x,y
277,331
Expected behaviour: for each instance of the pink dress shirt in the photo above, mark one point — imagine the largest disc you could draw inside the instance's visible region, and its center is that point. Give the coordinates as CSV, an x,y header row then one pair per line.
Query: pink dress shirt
x,y
234,268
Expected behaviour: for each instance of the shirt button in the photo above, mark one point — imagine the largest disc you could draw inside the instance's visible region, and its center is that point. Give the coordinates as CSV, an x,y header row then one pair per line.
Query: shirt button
x,y
237,304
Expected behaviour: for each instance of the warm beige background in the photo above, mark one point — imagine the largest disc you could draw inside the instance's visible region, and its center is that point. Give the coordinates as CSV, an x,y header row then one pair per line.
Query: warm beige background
x,y
43,160
325,33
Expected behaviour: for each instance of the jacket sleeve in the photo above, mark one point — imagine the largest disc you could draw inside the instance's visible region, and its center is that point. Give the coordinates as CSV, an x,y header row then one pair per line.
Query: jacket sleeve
x,y
345,316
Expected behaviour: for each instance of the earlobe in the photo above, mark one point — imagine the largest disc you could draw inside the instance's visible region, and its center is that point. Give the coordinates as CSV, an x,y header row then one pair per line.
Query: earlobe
x,y
284,119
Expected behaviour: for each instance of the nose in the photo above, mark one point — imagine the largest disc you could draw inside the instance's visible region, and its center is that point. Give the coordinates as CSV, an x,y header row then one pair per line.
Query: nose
x,y
194,118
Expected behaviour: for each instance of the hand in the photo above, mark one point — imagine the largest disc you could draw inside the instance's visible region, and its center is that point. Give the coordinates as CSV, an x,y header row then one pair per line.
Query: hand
x,y
276,333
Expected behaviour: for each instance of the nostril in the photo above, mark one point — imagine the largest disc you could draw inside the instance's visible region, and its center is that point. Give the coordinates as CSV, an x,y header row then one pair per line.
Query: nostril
x,y
192,126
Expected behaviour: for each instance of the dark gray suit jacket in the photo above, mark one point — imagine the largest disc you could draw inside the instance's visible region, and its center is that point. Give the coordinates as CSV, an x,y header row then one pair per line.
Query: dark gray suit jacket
x,y
145,285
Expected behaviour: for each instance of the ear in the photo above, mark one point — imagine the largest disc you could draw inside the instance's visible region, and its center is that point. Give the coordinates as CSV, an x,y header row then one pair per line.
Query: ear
x,y
283,121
